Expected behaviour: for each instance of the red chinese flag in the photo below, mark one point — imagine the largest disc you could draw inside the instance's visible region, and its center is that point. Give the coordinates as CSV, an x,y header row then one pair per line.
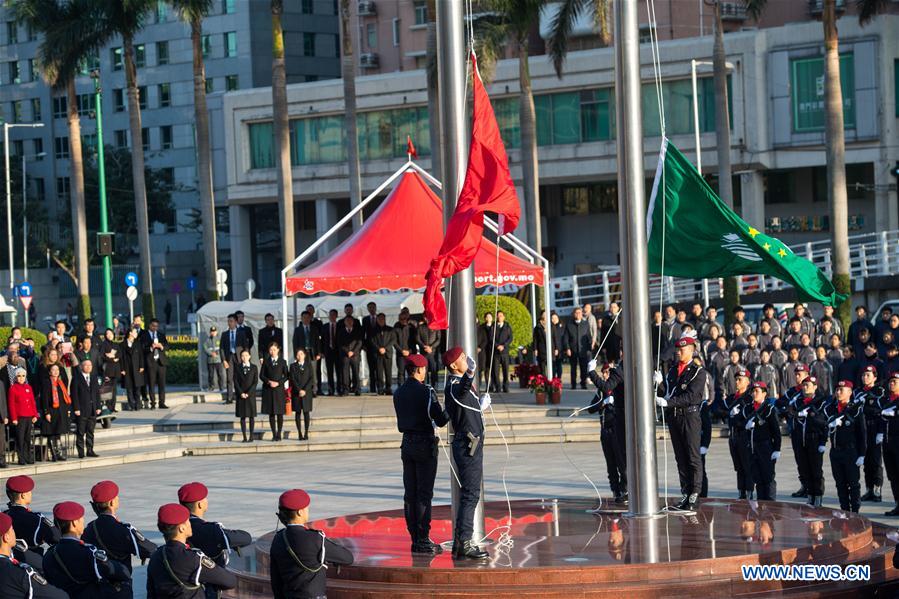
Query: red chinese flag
x,y
410,148
488,187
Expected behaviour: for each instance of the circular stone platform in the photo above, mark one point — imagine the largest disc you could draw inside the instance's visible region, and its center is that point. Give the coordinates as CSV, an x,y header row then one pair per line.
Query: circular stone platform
x,y
561,549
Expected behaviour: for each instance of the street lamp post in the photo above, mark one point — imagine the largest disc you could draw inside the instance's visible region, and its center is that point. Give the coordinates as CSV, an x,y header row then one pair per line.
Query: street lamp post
x,y
12,275
25,159
101,176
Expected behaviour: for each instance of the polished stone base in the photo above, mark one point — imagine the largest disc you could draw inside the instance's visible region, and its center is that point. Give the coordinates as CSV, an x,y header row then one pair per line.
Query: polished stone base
x,y
560,548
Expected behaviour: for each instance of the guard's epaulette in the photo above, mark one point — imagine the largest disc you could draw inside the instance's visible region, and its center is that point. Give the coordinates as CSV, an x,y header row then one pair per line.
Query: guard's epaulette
x,y
99,554
205,560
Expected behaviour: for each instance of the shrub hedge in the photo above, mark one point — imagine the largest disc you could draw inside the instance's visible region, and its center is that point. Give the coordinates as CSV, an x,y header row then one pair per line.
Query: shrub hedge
x,y
182,368
39,338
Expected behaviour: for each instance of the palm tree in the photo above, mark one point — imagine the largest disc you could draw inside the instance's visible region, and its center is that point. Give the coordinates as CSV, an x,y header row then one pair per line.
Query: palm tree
x,y
126,18
69,37
433,91
563,24
193,12
282,136
348,72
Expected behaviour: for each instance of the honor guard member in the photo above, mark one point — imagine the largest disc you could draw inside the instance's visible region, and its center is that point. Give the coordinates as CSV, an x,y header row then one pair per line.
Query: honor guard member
x,y
19,580
888,437
737,439
790,396
299,555
847,434
80,569
762,441
809,434
118,539
33,527
871,395
177,571
681,395
418,414
465,411
209,537
609,403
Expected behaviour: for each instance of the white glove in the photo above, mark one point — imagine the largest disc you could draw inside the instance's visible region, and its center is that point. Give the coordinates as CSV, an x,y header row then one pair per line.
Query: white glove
x,y
735,410
608,401
657,378
803,413
890,412
485,401
661,402
750,425
591,365
775,455
860,461
835,422
469,361
820,449
703,450
878,439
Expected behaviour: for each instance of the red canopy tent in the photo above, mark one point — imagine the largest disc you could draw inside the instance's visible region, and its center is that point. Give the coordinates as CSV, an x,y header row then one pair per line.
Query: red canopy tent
x,y
394,248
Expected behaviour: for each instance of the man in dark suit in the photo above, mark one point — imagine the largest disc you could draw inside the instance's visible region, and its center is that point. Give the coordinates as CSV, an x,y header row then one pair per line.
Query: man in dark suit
x,y
318,325
578,347
332,356
383,344
429,346
88,349
405,344
501,352
369,330
155,344
349,345
308,336
269,334
86,407
233,341
90,330
245,328
348,311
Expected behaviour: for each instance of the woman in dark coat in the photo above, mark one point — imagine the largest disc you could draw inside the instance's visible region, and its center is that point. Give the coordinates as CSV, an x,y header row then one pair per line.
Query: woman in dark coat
x,y
246,375
51,357
55,406
273,374
131,354
302,390
111,360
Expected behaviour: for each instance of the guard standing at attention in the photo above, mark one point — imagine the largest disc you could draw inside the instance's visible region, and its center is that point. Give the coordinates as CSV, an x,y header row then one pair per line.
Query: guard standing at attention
x,y
465,411
211,538
300,555
681,394
809,435
418,414
870,396
847,433
118,539
763,441
740,452
888,436
35,528
609,403
790,396
80,569
19,580
177,571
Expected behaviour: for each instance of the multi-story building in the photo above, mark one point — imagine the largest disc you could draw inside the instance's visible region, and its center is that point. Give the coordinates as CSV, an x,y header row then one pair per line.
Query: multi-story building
x,y
777,152
237,45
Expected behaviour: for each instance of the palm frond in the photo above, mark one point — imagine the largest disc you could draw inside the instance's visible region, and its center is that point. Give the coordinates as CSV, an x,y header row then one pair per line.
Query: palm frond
x,y
755,8
490,37
192,10
561,29
868,9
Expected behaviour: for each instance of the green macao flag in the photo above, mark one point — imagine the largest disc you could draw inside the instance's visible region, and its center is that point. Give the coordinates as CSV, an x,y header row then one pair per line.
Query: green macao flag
x,y
703,238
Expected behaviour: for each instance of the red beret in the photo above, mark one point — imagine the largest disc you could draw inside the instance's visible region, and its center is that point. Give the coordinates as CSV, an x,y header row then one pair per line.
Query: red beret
x,y
5,524
742,372
104,491
869,368
685,341
68,511
800,368
846,384
759,385
295,499
19,484
451,355
172,514
811,379
192,492
417,360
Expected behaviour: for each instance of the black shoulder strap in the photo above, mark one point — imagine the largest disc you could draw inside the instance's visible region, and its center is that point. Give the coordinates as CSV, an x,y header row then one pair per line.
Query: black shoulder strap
x,y
174,577
64,569
296,558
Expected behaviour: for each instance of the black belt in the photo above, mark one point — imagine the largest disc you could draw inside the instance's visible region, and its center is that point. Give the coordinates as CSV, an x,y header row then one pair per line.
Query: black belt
x,y
687,410
418,436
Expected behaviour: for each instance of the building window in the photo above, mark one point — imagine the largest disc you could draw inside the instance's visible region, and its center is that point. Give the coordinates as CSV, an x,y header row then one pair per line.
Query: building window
x,y
85,104
506,111
396,31
145,139
12,32
308,44
165,137
231,83
89,144
206,44
318,140
162,53
231,44
596,114
228,7
807,91
60,107
37,145
896,84
116,58
61,147
18,147
62,187
140,56
558,118
13,71
29,30
164,93
118,100
678,99
17,113
32,73
371,36
161,13
262,145
142,97
383,133
35,109
421,12
306,7
121,138
40,189
90,63
210,87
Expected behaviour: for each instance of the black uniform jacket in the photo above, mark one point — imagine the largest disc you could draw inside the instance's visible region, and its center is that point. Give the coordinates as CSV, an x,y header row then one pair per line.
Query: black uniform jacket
x,y
177,571
299,558
83,570
846,429
35,528
215,540
20,580
417,408
118,539
463,406
684,390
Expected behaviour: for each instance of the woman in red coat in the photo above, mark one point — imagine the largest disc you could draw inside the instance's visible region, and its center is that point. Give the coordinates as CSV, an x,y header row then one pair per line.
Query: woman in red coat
x,y
23,415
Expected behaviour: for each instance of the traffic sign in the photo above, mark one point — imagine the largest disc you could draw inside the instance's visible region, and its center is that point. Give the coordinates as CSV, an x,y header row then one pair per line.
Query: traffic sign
x,y
25,289
222,289
26,301
131,293
176,287
221,276
192,283
251,287
131,279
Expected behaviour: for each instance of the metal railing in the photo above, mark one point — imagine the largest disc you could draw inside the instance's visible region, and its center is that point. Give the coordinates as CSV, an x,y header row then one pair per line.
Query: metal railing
x,y
870,255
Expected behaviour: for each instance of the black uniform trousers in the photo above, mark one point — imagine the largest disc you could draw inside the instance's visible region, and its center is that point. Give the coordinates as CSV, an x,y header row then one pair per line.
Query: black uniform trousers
x,y
846,477
382,373
873,456
84,433
371,360
891,462
419,455
230,394
470,469
24,445
156,381
741,456
810,462
616,457
761,468
796,442
685,428
349,373
501,366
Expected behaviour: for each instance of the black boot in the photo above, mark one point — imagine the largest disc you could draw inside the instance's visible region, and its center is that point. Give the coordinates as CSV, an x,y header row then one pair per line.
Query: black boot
x,y
426,547
868,496
802,492
892,512
742,495
468,550
877,494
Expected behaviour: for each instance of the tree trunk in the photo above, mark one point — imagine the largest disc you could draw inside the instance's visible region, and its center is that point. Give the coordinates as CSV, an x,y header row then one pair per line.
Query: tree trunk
x,y
433,93
76,194
282,138
835,144
204,163
137,175
722,143
529,167
347,71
